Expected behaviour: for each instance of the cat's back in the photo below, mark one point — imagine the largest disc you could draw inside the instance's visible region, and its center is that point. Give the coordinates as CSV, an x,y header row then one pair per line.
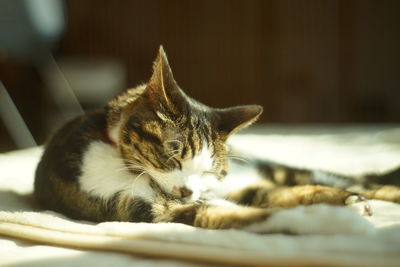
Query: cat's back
x,y
62,157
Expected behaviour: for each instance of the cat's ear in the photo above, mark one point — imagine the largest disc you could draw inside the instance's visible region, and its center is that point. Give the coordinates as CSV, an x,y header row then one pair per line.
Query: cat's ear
x,y
162,90
230,120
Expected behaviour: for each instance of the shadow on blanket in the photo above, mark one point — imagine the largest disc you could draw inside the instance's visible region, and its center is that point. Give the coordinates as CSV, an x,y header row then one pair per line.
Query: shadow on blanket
x,y
13,201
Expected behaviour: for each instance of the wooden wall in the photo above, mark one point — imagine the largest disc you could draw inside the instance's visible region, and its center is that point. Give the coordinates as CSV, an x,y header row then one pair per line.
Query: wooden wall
x,y
310,61
304,61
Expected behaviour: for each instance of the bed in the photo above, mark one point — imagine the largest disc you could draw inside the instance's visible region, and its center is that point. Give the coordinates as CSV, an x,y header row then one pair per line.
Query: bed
x,y
323,235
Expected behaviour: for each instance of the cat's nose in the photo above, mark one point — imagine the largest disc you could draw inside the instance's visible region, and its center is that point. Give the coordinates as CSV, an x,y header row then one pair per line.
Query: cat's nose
x,y
185,192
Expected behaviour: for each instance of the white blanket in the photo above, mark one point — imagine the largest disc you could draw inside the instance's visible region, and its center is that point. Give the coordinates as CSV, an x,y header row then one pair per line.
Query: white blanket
x,y
333,236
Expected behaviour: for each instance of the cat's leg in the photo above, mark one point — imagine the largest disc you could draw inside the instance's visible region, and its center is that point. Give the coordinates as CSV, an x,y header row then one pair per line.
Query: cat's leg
x,y
252,219
224,215
384,186
286,197
383,192
161,209
210,216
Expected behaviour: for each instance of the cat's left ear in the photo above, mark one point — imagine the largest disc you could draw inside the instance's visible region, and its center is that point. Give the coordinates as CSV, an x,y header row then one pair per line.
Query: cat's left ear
x,y
230,120
162,89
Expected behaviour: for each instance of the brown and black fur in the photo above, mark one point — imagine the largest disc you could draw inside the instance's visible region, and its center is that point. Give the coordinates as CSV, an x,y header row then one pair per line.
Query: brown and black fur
x,y
143,140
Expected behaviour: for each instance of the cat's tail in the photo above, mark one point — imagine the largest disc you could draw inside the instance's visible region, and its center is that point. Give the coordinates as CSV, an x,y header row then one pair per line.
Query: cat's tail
x,y
284,175
389,178
384,186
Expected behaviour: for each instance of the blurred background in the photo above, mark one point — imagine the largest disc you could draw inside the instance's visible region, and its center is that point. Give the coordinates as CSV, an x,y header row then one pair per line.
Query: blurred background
x,y
306,62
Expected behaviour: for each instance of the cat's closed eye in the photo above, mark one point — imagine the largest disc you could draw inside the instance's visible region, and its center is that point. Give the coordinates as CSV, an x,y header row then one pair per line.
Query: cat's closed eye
x,y
173,147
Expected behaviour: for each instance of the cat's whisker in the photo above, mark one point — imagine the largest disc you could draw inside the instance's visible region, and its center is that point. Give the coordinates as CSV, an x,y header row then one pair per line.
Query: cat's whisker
x,y
217,174
174,141
173,153
172,150
172,156
219,160
237,158
129,168
134,164
135,180
211,172
133,167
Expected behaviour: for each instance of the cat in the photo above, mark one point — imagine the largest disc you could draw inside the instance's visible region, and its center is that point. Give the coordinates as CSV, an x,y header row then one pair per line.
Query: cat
x,y
154,154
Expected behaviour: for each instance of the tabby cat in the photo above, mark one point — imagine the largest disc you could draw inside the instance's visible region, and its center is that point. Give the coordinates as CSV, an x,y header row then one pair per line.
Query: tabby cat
x,y
156,155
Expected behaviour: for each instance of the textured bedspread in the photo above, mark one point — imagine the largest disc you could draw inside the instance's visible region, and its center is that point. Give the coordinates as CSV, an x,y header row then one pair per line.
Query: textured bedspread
x,y
333,236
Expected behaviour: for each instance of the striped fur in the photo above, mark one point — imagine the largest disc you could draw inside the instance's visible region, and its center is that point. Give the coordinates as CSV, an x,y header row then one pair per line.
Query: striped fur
x,y
156,155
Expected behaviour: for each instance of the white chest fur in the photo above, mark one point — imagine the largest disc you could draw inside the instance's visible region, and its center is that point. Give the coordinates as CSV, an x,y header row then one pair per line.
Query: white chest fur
x,y
104,174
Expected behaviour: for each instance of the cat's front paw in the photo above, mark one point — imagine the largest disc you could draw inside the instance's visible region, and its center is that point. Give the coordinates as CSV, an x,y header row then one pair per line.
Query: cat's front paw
x,y
359,204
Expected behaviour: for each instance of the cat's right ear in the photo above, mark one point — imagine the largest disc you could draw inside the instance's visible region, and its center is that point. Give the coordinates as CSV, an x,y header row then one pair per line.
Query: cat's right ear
x,y
162,90
230,120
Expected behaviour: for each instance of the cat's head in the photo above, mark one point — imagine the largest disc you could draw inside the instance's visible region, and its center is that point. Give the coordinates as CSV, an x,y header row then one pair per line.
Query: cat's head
x,y
173,138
